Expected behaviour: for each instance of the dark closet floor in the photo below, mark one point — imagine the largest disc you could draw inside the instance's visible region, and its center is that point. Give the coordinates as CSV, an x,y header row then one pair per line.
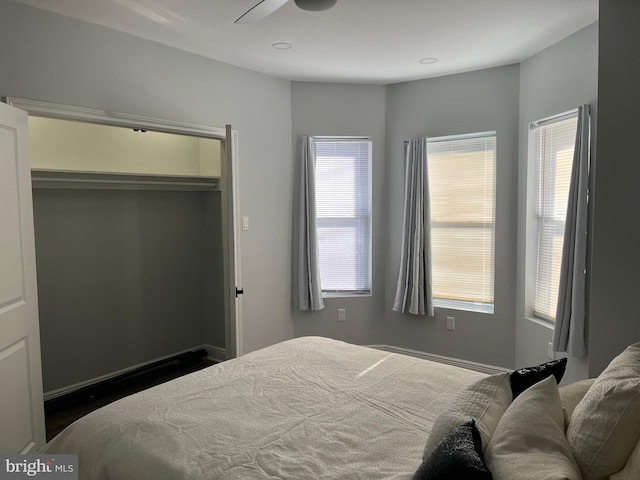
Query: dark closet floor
x,y
61,412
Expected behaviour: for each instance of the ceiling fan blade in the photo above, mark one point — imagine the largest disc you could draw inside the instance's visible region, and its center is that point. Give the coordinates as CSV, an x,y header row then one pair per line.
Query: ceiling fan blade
x,y
261,10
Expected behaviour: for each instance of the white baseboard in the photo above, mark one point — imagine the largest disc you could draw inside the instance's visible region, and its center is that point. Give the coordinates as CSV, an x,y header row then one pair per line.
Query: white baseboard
x,y
457,362
217,354
212,353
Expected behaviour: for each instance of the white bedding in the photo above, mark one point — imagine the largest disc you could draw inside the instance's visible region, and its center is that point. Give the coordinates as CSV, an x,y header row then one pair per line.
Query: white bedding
x,y
309,408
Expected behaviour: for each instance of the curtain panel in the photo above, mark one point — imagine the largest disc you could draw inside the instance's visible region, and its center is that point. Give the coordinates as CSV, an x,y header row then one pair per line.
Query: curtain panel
x,y
414,293
309,288
570,333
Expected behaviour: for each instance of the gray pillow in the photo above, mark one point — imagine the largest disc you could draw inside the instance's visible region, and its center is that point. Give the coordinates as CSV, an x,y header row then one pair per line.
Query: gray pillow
x,y
457,456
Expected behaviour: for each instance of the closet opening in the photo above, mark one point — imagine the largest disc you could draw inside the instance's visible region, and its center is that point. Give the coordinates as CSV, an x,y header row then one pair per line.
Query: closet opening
x,y
135,242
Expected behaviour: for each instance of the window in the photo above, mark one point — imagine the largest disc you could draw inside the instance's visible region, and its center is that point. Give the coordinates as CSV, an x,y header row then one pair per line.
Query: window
x,y
461,172
343,214
552,143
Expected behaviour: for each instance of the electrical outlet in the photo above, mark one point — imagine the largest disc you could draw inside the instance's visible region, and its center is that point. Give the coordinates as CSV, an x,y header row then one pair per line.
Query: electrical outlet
x,y
342,314
451,323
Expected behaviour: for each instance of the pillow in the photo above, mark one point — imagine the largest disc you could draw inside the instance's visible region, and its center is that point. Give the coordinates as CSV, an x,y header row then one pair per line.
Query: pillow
x,y
487,399
570,396
529,441
523,378
458,455
631,471
484,401
605,425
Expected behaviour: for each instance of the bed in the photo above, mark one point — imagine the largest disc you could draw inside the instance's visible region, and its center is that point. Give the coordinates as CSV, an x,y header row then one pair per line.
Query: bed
x,y
308,408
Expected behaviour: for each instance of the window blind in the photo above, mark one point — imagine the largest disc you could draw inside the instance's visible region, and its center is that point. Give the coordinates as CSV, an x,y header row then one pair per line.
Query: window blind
x,y
343,211
554,143
461,173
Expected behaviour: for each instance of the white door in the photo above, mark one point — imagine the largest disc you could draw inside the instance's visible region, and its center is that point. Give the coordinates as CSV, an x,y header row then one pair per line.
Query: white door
x,y
21,404
231,244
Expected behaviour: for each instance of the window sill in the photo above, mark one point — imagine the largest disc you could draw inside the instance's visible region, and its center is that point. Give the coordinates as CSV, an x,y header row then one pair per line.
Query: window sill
x,y
464,306
345,294
539,321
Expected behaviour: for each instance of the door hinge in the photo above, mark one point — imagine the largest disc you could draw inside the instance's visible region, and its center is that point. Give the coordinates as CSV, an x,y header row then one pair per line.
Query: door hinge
x,y
239,291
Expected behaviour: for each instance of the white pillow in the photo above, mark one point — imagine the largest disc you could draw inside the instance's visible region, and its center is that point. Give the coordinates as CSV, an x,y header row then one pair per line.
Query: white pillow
x,y
631,471
571,395
605,425
485,401
529,441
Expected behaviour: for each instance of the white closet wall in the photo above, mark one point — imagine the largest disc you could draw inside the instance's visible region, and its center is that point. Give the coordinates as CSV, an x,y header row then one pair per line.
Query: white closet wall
x,y
76,146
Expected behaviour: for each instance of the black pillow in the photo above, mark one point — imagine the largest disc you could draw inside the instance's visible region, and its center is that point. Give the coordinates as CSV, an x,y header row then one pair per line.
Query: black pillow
x,y
523,378
458,456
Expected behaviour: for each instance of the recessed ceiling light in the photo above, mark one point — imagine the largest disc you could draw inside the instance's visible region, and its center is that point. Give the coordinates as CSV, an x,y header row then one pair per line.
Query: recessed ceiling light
x,y
282,46
428,60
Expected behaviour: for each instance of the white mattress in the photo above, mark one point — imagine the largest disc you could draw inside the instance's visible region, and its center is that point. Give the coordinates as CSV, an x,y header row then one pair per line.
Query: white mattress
x,y
309,408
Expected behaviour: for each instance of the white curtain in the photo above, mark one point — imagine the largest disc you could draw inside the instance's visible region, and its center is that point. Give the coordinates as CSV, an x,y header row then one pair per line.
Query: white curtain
x,y
309,288
414,292
569,333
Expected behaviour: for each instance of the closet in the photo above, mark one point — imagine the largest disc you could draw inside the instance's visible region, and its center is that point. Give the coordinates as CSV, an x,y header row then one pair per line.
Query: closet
x,y
130,247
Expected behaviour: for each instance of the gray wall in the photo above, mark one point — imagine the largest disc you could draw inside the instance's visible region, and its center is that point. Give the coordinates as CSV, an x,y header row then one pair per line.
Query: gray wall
x,y
338,109
120,279
213,271
471,102
615,283
503,99
554,81
61,60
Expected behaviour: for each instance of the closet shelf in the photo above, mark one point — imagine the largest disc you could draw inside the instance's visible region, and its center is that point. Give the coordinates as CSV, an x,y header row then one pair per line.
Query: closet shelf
x,y
66,179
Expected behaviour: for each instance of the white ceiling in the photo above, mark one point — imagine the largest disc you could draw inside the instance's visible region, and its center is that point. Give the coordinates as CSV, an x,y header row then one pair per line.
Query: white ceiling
x,y
359,41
